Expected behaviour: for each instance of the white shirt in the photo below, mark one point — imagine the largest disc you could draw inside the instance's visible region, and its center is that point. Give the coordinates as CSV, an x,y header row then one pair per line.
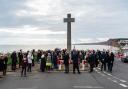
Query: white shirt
x,y
29,58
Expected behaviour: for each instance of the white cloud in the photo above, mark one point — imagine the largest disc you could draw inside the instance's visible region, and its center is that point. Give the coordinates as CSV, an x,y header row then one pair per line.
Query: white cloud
x,y
31,31
31,35
32,41
102,39
42,20
22,12
44,7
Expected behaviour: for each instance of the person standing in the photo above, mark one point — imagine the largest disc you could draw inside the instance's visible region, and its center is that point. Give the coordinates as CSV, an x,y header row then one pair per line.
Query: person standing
x,y
55,60
75,59
33,60
91,61
24,65
29,57
14,60
2,64
97,59
5,60
48,62
39,54
20,56
99,56
103,61
43,63
110,61
66,61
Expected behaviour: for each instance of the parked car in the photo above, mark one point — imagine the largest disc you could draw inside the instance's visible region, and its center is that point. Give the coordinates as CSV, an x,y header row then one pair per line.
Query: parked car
x,y
125,60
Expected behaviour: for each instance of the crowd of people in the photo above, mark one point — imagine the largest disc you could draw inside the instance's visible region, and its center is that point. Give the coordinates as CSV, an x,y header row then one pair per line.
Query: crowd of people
x,y
106,59
50,60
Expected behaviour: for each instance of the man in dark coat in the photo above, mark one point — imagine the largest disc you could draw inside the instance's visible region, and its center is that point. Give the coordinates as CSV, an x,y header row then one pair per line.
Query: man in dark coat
x,y
97,59
20,56
55,60
66,62
43,63
14,60
75,58
103,61
39,54
110,62
91,61
33,60
1,64
5,60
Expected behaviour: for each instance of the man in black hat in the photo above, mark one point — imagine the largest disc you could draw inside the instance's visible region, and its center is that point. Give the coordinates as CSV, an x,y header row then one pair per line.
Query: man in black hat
x,y
20,56
110,61
75,58
66,61
91,61
14,60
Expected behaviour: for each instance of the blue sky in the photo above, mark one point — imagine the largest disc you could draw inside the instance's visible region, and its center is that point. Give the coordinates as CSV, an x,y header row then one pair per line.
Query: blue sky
x,y
41,21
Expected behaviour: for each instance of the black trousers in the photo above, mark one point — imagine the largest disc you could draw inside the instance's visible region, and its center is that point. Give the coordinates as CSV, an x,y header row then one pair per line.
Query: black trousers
x,y
5,69
66,68
43,66
20,63
23,71
14,66
96,63
33,64
103,65
76,66
29,67
91,67
110,66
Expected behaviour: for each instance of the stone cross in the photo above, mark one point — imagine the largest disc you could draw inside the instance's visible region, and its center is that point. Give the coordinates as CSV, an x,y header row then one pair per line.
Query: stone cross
x,y
68,20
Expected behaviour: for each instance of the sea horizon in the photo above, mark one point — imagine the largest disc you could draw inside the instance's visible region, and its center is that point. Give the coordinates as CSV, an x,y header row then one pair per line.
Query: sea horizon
x,y
11,48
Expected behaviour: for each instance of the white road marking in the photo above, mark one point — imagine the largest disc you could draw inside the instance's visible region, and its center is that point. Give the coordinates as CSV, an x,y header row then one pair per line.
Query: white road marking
x,y
89,87
109,78
96,70
114,81
107,73
24,88
121,80
99,72
28,88
99,68
103,74
123,85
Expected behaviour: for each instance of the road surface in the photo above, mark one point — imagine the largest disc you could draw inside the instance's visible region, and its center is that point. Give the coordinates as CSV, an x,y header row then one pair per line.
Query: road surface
x,y
118,79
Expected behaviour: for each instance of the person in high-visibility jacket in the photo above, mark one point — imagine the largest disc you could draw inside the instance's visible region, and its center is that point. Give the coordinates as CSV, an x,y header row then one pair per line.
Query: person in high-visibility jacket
x,y
48,62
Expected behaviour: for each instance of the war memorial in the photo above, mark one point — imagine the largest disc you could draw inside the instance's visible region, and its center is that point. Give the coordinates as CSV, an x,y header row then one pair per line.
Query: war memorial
x,y
70,23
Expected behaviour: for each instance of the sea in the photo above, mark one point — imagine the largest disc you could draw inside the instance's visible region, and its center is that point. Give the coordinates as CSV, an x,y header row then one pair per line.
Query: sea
x,y
11,48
